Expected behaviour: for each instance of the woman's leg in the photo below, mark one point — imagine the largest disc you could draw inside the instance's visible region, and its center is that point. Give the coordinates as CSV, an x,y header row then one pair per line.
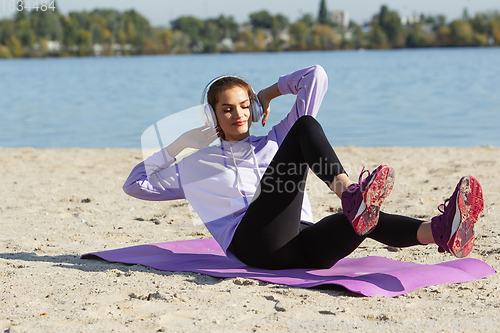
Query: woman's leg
x,y
270,234
333,238
265,236
324,243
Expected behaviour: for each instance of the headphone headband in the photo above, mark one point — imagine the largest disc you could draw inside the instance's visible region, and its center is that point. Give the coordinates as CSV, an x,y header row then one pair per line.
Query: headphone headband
x,y
204,98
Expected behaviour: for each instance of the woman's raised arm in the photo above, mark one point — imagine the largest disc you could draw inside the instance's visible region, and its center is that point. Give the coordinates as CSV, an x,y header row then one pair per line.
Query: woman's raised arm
x,y
309,85
196,138
265,96
144,182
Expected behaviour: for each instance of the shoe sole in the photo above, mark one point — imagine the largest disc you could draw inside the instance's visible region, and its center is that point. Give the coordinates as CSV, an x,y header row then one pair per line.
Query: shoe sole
x,y
379,188
469,207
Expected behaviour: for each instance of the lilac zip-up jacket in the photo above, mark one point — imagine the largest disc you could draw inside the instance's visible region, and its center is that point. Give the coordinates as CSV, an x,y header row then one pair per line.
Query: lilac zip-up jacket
x,y
220,181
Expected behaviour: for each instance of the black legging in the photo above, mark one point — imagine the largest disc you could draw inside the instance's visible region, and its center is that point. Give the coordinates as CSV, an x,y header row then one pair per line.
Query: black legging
x,y
271,235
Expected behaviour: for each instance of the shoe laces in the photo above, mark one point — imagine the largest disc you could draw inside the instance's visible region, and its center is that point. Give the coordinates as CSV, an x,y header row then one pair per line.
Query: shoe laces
x,y
354,186
361,174
361,179
442,207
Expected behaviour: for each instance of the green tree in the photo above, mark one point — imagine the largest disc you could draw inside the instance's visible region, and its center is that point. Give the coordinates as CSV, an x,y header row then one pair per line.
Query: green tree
x,y
81,19
121,37
441,21
495,31
166,41
181,42
189,25
323,13
282,21
357,39
390,23
15,47
20,16
428,19
84,42
262,20
4,52
377,38
307,19
443,36
480,23
23,30
299,32
465,15
70,35
415,37
98,29
480,39
245,41
112,18
47,24
6,31
260,41
324,37
227,25
136,28
211,31
461,33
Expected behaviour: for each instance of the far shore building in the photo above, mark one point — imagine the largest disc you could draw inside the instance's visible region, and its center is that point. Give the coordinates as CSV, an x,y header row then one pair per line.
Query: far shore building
x,y
53,46
341,17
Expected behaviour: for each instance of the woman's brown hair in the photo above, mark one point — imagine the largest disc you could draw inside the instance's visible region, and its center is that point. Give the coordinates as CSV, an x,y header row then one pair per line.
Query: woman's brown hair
x,y
224,83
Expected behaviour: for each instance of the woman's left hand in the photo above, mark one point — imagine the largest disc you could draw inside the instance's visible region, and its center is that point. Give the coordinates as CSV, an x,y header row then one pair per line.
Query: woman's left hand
x,y
265,102
265,97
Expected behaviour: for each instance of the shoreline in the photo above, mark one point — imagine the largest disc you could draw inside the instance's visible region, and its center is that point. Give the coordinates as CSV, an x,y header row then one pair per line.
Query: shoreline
x,y
59,203
443,47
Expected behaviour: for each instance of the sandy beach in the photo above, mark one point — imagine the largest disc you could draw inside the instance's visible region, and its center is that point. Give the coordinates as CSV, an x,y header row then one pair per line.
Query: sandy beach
x,y
57,204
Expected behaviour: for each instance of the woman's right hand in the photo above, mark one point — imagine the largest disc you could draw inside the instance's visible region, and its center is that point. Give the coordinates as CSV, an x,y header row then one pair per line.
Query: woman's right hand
x,y
200,137
196,138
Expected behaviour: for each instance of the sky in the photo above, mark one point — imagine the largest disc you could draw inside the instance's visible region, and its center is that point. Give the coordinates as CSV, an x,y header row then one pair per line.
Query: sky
x,y
161,12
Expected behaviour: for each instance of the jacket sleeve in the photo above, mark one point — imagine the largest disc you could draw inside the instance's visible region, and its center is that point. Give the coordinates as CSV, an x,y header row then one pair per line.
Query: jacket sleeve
x,y
310,85
155,179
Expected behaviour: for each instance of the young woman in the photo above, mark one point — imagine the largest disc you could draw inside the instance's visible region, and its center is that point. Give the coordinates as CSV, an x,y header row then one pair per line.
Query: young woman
x,y
250,191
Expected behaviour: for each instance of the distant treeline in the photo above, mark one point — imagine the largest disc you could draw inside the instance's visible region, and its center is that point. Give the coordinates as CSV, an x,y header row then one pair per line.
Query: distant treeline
x,y
110,32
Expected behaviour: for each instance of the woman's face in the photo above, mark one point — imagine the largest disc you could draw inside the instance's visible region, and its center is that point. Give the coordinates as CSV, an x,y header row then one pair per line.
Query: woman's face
x,y
233,113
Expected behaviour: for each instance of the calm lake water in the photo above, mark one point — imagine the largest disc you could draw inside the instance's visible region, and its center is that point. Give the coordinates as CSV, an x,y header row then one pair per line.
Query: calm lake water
x,y
426,97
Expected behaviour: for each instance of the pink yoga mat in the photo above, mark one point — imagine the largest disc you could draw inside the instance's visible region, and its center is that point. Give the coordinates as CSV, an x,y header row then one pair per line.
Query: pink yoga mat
x,y
368,276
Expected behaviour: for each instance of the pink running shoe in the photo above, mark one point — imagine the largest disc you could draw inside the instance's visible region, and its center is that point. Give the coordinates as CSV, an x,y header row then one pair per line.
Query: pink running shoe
x,y
453,230
361,201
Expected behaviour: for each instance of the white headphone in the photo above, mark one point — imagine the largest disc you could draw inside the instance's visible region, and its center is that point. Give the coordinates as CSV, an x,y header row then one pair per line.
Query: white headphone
x,y
208,113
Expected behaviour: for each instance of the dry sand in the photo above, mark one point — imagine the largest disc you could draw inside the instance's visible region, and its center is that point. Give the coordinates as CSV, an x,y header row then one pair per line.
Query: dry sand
x,y
57,204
